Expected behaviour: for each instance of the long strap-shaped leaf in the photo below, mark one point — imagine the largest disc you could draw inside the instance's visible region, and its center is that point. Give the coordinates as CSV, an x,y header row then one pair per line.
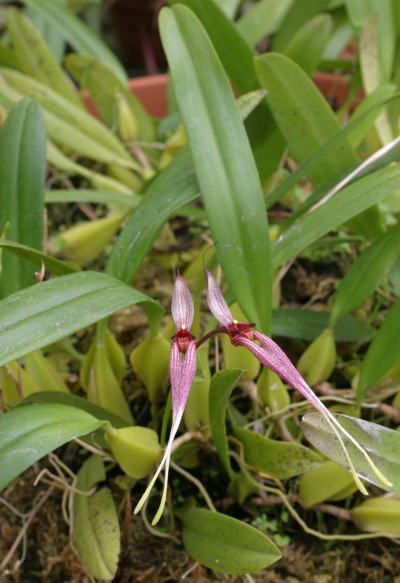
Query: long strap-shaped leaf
x,y
345,205
223,161
49,311
22,180
76,33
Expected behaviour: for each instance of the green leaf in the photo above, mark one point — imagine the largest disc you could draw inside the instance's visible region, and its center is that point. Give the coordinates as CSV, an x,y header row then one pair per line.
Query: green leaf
x,y
76,33
175,187
383,352
262,19
225,544
309,324
304,117
60,398
22,180
35,58
354,132
35,257
95,525
66,123
372,71
29,433
346,204
236,57
94,196
279,459
366,273
296,17
228,6
307,45
223,161
358,11
221,387
49,311
382,445
103,84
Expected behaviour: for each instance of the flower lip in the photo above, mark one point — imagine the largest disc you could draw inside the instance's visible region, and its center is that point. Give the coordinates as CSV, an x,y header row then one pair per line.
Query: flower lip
x,y
183,338
182,305
238,330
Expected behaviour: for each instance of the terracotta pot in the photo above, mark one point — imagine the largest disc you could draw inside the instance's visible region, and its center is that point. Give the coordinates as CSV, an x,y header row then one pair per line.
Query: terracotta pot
x,y
152,93
335,88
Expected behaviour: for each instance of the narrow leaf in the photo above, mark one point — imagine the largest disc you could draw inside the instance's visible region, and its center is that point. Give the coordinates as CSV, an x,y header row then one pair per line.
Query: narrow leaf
x,y
35,257
383,352
22,179
76,33
35,58
223,160
262,19
366,273
222,385
346,204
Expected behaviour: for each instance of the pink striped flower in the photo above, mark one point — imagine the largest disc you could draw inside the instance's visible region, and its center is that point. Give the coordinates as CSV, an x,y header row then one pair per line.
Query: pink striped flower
x,y
182,369
273,357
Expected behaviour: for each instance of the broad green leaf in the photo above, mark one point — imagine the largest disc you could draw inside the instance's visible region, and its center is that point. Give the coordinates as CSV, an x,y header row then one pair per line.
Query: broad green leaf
x,y
223,161
36,257
383,352
309,324
35,58
76,33
279,459
225,544
29,433
298,14
346,204
175,187
59,398
236,57
22,180
381,443
366,273
103,85
304,117
94,196
49,311
307,45
222,385
95,525
262,19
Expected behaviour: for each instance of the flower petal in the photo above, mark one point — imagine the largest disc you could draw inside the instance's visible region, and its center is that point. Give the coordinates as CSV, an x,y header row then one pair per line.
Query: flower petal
x,y
272,356
182,305
216,302
182,371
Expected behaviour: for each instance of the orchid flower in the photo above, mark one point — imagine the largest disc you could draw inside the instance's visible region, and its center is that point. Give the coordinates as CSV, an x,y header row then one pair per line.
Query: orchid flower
x,y
182,370
273,357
